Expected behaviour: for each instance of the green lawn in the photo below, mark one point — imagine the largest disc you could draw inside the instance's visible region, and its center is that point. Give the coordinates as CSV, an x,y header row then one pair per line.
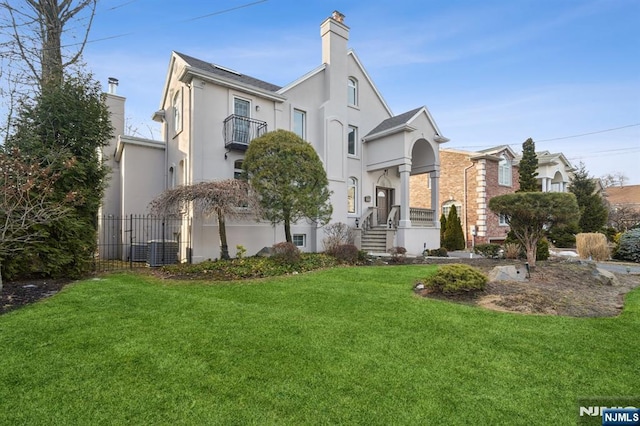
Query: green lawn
x,y
340,346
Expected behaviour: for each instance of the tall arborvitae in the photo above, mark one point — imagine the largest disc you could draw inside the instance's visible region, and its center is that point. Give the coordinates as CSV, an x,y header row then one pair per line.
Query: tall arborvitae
x,y
528,167
443,228
453,235
593,211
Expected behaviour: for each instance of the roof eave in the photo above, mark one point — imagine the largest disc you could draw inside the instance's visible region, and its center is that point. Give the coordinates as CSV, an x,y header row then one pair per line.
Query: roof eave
x,y
188,73
401,128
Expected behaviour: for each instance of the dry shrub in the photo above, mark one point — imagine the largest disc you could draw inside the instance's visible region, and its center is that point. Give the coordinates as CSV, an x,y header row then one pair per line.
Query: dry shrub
x,y
286,252
592,246
511,250
338,234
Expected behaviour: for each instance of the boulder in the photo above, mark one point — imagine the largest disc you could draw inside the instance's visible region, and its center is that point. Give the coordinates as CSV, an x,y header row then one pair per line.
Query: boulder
x,y
606,277
508,273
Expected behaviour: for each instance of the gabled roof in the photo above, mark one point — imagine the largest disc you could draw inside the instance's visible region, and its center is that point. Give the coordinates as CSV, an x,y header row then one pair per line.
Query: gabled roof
x,y
393,122
227,73
402,122
546,157
494,153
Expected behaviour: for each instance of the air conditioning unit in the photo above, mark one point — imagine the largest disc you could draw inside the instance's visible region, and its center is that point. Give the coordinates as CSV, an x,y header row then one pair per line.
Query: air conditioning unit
x,y
138,252
162,252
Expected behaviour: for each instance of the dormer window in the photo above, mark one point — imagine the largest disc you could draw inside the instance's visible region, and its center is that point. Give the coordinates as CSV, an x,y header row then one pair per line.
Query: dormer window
x,y
352,91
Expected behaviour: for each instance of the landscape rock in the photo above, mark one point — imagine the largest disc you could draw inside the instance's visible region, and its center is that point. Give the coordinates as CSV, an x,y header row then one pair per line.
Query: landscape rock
x,y
508,273
606,277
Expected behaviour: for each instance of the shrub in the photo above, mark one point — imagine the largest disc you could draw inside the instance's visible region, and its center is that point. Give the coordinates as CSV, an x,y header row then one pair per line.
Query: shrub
x,y
346,253
286,252
439,252
542,249
511,250
337,234
592,245
398,254
564,236
456,278
240,251
488,250
629,247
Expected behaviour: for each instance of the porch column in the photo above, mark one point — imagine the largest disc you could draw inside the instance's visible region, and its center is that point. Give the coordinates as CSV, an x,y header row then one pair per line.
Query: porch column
x,y
435,199
405,171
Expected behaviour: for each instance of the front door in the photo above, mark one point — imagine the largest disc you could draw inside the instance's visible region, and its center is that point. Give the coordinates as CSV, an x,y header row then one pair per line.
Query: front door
x,y
384,201
241,110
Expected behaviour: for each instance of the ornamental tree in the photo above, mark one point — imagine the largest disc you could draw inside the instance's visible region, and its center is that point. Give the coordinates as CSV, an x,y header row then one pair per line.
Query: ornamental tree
x,y
289,178
530,213
453,235
528,166
225,199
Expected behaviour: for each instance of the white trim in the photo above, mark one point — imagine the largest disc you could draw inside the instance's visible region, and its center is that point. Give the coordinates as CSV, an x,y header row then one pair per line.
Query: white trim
x,y
301,79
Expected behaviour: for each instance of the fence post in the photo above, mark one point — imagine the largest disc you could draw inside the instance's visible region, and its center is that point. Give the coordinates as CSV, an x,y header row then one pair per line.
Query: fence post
x,y
130,241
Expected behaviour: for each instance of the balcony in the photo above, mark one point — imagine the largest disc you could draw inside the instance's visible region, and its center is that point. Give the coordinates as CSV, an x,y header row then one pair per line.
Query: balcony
x,y
239,131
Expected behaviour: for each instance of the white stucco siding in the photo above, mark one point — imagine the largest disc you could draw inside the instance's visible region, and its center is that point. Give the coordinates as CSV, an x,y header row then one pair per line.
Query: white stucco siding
x,y
142,177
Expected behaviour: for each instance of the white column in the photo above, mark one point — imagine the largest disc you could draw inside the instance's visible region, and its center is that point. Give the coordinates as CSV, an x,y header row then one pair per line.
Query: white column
x,y
435,200
405,171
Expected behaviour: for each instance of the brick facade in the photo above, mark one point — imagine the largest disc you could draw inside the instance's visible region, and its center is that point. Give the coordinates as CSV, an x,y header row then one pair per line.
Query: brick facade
x,y
469,180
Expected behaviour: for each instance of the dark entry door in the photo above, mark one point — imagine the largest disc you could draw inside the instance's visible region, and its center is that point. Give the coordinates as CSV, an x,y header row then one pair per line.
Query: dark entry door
x,y
384,201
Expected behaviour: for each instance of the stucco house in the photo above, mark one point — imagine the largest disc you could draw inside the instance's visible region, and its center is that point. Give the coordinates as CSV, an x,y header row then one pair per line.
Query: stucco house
x,y
554,171
210,114
469,180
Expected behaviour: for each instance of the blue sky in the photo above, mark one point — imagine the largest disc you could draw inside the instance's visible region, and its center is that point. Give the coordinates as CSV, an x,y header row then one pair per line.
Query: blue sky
x,y
563,72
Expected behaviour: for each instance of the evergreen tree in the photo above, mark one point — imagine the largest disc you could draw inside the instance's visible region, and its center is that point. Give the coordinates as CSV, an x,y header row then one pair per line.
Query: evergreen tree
x,y
288,176
65,128
453,235
528,167
593,211
443,228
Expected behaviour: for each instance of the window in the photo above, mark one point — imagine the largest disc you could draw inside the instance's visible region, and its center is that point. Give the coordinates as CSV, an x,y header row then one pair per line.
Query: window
x,y
352,195
352,91
177,111
300,123
237,169
504,171
352,141
503,220
300,240
446,208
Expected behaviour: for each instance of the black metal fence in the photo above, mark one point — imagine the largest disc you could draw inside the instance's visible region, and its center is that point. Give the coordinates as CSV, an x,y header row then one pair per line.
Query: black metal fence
x,y
140,241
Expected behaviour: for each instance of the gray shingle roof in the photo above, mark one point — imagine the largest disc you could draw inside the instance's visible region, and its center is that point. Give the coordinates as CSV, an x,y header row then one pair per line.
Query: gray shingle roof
x,y
394,121
228,74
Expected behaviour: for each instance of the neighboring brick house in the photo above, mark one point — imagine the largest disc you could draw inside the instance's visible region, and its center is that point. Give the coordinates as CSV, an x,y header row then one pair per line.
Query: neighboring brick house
x,y
468,180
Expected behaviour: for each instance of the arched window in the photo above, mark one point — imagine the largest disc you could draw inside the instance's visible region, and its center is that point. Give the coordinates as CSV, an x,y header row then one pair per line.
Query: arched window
x,y
352,196
352,91
446,207
504,171
177,111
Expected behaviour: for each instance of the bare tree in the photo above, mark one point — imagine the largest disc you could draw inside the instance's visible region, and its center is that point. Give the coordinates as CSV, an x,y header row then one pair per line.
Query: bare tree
x,y
25,203
43,35
230,198
614,179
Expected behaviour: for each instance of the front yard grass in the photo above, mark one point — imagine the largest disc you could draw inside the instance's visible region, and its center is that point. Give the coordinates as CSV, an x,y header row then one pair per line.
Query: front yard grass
x,y
339,346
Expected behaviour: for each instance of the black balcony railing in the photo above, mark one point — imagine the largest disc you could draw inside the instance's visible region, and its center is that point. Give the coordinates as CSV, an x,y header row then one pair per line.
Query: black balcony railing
x,y
239,131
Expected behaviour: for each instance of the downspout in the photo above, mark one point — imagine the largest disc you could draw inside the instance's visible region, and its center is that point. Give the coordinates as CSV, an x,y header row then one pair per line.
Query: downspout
x,y
466,225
